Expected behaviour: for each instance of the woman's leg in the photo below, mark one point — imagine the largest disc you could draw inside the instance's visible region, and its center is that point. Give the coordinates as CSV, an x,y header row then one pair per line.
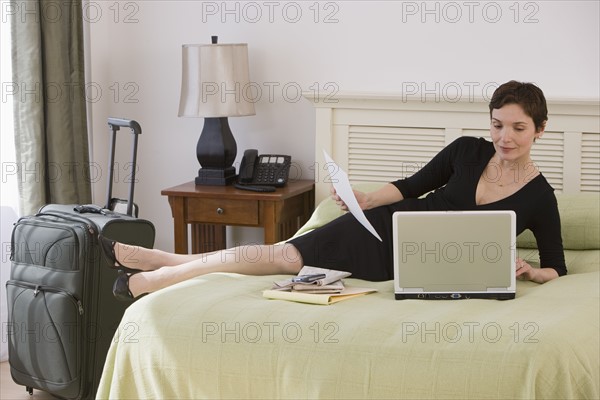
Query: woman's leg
x,y
144,259
248,260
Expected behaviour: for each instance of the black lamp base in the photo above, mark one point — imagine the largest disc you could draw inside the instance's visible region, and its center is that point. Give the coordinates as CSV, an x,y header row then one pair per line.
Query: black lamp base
x,y
217,177
216,151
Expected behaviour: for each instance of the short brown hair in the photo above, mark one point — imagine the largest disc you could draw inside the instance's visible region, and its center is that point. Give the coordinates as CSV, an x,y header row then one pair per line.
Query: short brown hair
x,y
527,95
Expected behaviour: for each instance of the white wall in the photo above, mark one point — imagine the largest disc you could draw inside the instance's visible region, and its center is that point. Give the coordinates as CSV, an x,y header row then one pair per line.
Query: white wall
x,y
436,50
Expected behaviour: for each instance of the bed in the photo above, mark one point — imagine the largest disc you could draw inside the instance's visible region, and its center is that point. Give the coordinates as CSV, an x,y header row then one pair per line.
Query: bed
x,y
216,336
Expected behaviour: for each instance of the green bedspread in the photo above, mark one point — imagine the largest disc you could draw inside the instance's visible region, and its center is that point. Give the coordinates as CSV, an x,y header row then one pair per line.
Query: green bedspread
x,y
217,337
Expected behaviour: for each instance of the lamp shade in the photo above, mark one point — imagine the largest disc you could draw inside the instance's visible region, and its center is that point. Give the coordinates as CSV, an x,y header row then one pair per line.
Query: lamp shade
x,y
215,81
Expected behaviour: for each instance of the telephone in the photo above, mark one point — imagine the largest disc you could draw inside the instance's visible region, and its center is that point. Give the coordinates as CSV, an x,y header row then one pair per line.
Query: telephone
x,y
264,170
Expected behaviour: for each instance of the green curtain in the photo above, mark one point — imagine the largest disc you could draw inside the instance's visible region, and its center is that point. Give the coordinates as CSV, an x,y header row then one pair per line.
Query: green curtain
x,y
50,108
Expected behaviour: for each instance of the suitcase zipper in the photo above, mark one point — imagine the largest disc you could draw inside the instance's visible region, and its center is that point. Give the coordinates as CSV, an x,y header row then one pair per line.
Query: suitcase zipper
x,y
90,225
89,289
44,288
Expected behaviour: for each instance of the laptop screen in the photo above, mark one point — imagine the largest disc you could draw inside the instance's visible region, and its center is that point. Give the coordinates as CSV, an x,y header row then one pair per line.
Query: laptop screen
x,y
466,251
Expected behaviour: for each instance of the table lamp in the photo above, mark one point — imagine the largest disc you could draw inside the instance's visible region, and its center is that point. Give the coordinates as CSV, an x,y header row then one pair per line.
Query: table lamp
x,y
214,78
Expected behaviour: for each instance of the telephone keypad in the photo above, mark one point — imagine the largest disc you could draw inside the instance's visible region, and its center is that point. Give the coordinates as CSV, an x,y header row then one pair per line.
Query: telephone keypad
x,y
272,170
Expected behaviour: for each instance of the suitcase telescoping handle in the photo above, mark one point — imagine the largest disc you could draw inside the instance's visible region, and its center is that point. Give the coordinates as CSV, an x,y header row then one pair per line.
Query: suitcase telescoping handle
x,y
115,124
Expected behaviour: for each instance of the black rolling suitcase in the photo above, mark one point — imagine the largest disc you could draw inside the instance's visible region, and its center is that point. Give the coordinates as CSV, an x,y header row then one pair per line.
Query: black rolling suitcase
x,y
62,315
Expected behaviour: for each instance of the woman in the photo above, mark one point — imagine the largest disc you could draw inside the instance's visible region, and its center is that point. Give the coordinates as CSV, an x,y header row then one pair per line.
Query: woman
x,y
468,174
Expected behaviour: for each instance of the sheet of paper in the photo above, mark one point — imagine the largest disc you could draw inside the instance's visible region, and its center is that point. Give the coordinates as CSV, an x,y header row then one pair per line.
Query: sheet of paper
x,y
340,182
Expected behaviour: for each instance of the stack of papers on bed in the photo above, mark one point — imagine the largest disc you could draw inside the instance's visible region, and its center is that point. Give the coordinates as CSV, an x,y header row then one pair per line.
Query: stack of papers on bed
x,y
327,290
331,283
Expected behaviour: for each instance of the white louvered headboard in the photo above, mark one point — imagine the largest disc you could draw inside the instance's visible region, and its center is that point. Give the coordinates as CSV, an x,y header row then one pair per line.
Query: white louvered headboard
x,y
381,138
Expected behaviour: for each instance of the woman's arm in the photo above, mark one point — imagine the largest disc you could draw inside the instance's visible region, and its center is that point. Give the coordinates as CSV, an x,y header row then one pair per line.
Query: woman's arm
x,y
526,272
387,194
546,227
433,175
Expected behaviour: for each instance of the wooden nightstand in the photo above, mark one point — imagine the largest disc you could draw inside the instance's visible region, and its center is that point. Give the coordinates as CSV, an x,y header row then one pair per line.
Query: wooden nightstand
x,y
209,209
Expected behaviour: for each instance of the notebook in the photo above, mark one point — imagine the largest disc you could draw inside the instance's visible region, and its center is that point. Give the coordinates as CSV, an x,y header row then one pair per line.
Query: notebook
x,y
454,254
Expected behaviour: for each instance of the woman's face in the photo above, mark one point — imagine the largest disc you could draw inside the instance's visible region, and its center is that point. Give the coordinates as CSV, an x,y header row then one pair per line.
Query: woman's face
x,y
513,133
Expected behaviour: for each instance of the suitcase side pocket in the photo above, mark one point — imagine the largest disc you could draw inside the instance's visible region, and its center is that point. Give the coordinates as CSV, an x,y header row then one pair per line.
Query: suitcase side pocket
x,y
44,338
50,244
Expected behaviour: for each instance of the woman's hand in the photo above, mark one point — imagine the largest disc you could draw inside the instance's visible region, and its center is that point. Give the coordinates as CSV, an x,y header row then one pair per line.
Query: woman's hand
x,y
361,197
526,272
387,194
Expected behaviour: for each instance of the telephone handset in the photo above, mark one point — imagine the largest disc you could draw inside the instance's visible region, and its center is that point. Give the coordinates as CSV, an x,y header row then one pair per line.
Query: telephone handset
x,y
265,169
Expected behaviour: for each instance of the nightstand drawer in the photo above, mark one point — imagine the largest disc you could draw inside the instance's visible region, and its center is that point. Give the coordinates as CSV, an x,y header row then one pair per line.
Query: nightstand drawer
x,y
219,211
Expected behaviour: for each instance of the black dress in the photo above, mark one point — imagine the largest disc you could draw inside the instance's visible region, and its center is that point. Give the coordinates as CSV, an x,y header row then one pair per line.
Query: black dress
x,y
344,244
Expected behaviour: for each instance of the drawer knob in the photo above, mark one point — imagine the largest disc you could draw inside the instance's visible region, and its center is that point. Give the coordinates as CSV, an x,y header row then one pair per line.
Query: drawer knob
x,y
220,211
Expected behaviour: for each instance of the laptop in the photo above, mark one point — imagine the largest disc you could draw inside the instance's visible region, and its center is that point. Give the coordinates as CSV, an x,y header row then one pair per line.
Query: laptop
x,y
454,254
